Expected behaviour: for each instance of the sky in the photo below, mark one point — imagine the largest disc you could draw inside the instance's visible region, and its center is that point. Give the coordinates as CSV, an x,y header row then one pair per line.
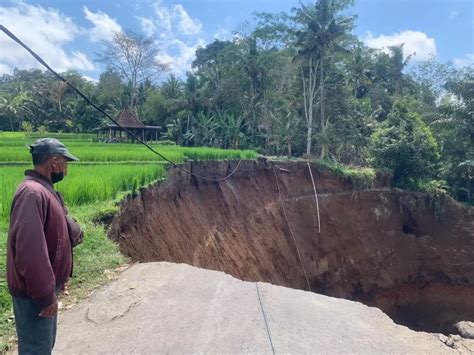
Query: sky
x,y
69,33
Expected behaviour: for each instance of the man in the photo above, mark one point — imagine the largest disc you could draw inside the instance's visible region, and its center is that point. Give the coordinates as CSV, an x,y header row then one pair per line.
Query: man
x,y
39,250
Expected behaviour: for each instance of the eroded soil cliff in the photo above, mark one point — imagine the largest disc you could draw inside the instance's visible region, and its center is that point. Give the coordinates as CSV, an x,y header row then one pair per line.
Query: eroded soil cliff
x,y
407,253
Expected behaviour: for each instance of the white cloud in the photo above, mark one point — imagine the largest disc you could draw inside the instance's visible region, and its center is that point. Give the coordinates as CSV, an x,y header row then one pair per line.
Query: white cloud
x,y
148,27
5,69
466,61
168,20
222,34
163,15
179,55
88,78
416,42
186,23
104,26
176,34
46,31
80,60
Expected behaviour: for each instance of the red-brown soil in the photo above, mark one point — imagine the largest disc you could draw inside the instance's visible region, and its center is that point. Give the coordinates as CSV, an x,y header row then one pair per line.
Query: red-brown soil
x,y
409,254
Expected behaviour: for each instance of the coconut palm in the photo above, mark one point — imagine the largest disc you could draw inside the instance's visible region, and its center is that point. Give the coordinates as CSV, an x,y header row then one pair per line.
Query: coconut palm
x,y
398,63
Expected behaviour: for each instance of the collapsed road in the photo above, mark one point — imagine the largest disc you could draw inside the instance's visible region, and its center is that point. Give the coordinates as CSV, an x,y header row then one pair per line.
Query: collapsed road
x,y
407,253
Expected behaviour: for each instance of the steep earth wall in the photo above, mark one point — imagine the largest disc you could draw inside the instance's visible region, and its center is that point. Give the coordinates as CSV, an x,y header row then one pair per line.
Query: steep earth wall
x,y
407,253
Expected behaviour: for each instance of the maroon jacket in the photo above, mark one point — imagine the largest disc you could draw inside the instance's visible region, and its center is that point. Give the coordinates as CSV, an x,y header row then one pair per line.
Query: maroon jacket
x,y
39,249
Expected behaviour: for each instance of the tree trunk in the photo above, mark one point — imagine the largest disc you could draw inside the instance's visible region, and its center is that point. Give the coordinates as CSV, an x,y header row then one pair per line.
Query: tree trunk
x,y
308,138
309,94
133,83
324,124
398,86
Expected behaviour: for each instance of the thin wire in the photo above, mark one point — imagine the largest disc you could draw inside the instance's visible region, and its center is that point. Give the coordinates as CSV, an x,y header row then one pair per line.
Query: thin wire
x,y
315,197
265,319
39,59
289,227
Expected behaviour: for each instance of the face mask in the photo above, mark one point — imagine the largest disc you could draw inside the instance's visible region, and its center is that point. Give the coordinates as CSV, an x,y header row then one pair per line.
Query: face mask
x,y
56,177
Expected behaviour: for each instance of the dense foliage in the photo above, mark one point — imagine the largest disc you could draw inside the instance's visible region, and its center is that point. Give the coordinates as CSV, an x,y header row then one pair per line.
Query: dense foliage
x,y
405,145
296,83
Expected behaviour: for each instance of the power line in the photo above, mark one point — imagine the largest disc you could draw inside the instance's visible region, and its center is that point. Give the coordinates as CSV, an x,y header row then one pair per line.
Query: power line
x,y
290,229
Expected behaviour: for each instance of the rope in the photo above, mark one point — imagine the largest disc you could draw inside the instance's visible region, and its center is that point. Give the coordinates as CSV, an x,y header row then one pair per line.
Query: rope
x,y
79,92
316,198
289,227
265,319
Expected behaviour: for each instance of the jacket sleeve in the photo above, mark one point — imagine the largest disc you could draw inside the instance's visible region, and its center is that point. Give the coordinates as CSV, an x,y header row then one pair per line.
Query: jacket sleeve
x,y
76,235
32,257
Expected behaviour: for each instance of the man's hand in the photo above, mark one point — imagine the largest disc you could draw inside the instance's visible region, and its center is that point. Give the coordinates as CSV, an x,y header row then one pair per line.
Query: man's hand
x,y
75,233
50,311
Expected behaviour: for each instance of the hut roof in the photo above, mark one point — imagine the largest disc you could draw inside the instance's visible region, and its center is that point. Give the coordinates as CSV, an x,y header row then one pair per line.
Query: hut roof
x,y
127,119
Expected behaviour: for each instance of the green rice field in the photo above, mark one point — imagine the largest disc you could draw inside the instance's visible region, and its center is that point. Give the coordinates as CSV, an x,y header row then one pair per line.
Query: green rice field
x,y
14,149
85,183
104,169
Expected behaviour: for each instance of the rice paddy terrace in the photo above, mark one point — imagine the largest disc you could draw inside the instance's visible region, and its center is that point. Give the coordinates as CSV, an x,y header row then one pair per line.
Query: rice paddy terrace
x,y
406,253
104,169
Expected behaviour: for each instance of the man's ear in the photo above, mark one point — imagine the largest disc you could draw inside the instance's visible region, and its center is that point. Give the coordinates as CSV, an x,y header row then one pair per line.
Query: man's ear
x,y
54,162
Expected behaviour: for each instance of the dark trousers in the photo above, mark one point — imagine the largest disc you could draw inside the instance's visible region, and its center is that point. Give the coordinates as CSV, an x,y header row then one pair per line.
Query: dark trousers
x,y
36,335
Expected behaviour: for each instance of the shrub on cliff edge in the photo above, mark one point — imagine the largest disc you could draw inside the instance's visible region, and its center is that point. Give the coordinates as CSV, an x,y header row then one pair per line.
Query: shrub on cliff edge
x,y
405,145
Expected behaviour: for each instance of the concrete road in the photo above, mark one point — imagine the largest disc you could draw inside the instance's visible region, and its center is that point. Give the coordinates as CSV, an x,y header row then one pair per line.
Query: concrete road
x,y
175,308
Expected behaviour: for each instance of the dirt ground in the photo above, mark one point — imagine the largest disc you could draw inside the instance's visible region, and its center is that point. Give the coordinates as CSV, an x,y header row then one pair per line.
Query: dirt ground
x,y
407,253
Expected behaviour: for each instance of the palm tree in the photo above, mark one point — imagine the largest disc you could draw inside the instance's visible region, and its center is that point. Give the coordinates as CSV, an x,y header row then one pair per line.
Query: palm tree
x,y
254,65
17,106
359,70
398,64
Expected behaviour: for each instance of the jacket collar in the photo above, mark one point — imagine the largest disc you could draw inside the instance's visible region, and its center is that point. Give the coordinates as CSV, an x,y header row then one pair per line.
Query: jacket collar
x,y
36,176
33,175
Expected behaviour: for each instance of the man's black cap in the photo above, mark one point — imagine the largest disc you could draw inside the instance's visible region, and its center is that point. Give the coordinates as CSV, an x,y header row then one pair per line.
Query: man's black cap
x,y
51,146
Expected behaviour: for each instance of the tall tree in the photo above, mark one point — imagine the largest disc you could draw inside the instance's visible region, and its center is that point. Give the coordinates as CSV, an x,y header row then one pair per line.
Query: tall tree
x,y
405,144
322,32
133,55
398,63
454,128
112,93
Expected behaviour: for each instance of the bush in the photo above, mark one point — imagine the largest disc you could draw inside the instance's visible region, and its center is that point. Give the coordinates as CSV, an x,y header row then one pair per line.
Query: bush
x,y
360,178
405,145
433,187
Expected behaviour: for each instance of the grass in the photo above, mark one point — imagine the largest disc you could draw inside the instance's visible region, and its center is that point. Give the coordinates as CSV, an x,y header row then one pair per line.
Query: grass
x,y
6,322
85,183
91,190
361,178
103,152
9,177
91,259
21,136
99,152
93,183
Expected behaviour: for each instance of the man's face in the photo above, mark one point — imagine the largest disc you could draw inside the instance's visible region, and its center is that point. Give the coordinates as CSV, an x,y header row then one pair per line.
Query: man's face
x,y
59,164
